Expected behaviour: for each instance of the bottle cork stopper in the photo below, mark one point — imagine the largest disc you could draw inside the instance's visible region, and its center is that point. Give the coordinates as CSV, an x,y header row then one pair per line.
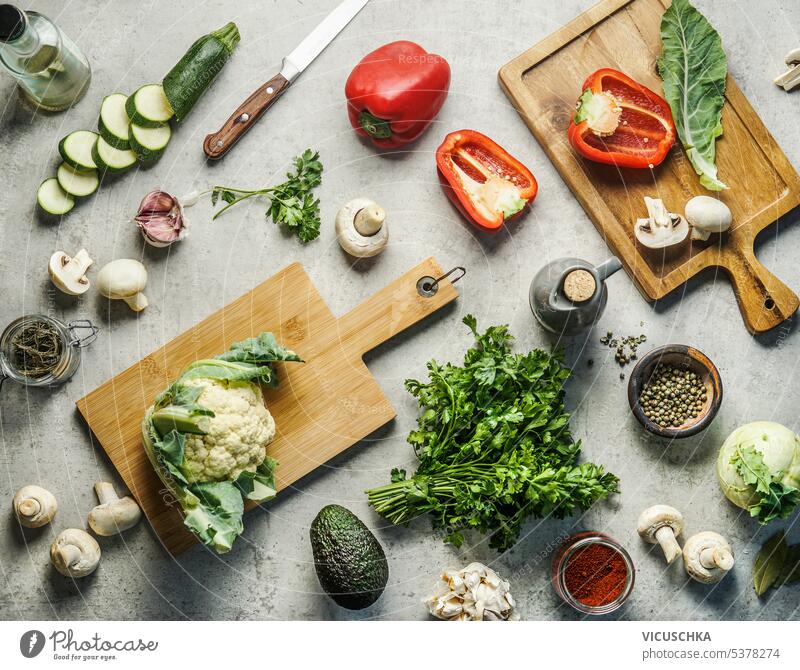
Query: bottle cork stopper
x,y
579,285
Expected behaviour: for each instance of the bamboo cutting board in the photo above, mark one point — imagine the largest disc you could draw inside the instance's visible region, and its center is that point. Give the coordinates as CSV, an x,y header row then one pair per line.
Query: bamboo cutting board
x,y
322,406
544,84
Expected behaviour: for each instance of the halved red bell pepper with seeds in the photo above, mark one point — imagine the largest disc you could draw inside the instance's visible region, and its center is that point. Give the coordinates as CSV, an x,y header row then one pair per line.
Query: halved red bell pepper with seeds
x,y
484,181
620,122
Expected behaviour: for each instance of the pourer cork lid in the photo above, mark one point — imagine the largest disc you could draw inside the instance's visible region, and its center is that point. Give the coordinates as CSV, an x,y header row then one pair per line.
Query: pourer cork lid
x,y
579,285
12,23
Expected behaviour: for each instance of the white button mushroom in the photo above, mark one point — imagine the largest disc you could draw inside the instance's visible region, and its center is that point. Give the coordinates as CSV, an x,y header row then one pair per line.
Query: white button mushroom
x,y
474,593
661,524
707,215
361,228
69,274
707,557
114,514
75,553
661,231
34,506
124,279
791,78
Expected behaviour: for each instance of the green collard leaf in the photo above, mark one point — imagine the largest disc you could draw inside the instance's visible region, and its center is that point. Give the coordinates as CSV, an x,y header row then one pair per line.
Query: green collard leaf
x,y
693,67
769,563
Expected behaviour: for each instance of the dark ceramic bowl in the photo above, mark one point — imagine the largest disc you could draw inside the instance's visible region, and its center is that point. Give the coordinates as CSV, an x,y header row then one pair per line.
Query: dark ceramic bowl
x,y
685,358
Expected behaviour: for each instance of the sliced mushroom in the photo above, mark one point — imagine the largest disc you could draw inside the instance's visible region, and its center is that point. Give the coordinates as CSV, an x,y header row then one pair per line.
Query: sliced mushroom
x,y
114,514
34,506
69,274
791,78
124,279
75,553
361,228
661,231
707,557
707,215
661,524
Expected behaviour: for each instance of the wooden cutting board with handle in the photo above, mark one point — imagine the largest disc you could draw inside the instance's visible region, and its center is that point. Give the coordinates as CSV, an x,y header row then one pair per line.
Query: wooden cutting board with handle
x,y
544,84
322,406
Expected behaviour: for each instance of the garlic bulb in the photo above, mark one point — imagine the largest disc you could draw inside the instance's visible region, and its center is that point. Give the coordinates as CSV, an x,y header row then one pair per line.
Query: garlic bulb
x,y
161,219
474,593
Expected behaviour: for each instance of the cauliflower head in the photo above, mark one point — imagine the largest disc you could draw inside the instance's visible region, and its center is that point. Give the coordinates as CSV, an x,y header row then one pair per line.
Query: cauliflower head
x,y
236,436
206,436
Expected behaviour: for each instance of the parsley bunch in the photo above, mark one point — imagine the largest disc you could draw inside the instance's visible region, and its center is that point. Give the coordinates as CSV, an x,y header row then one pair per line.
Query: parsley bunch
x,y
290,203
494,445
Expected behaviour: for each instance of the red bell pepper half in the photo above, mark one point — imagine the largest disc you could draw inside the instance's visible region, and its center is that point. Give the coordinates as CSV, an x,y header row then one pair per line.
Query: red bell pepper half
x,y
620,122
484,181
395,92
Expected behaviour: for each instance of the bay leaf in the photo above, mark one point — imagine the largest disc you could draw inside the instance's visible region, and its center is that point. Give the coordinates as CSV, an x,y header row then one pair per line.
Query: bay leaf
x,y
791,566
769,563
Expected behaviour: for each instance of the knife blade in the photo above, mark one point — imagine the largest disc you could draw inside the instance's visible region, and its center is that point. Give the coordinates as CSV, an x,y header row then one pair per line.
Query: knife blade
x,y
216,145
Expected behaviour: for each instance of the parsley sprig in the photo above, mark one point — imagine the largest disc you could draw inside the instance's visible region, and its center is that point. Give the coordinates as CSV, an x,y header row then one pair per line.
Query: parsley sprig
x,y
494,445
291,203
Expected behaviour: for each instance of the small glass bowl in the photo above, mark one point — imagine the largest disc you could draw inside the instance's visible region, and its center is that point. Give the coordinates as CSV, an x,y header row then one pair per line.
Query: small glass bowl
x,y
71,345
568,549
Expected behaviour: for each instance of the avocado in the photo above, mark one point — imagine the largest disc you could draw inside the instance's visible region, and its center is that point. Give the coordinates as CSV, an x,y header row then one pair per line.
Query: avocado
x,y
350,562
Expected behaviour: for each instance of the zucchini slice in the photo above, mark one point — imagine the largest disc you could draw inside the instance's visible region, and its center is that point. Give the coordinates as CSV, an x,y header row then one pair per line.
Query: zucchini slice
x,y
78,183
113,121
77,147
112,160
149,107
149,143
53,199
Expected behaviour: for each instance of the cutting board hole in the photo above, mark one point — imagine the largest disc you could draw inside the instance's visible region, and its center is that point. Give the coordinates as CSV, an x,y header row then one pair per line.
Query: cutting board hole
x,y
769,303
427,287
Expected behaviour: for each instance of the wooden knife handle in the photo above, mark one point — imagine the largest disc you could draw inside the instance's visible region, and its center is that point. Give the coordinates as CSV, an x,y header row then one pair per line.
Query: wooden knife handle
x,y
218,144
765,301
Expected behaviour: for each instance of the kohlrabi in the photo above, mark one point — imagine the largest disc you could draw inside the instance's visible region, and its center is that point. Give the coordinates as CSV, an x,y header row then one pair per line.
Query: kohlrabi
x,y
759,469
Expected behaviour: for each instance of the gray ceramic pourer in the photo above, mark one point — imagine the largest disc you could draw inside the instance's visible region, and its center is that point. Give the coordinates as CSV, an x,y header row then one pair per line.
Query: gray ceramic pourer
x,y
569,294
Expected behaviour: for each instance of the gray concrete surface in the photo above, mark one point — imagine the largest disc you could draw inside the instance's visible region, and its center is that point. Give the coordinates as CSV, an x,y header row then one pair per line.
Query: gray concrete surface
x,y
269,575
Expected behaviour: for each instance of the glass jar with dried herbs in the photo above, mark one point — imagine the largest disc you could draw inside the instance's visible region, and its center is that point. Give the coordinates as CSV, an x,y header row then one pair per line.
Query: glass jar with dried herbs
x,y
38,350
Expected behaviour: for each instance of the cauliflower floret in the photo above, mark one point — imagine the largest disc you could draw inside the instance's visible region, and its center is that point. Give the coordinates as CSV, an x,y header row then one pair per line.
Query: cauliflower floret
x,y
236,436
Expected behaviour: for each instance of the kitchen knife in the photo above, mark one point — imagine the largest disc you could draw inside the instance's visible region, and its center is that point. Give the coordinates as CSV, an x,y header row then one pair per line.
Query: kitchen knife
x,y
218,144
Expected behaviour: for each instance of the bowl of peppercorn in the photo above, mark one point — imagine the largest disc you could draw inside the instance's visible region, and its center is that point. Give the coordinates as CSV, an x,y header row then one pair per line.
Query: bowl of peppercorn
x,y
675,391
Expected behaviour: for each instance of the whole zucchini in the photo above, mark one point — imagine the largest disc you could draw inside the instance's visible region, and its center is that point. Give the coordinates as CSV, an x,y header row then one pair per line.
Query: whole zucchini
x,y
188,80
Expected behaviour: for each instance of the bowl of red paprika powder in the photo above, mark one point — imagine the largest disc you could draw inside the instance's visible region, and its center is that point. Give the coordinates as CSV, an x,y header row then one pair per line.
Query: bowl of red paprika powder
x,y
593,573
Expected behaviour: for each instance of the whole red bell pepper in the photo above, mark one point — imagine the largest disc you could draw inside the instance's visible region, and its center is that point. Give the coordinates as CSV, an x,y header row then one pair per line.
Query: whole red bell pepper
x,y
484,181
620,122
395,92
